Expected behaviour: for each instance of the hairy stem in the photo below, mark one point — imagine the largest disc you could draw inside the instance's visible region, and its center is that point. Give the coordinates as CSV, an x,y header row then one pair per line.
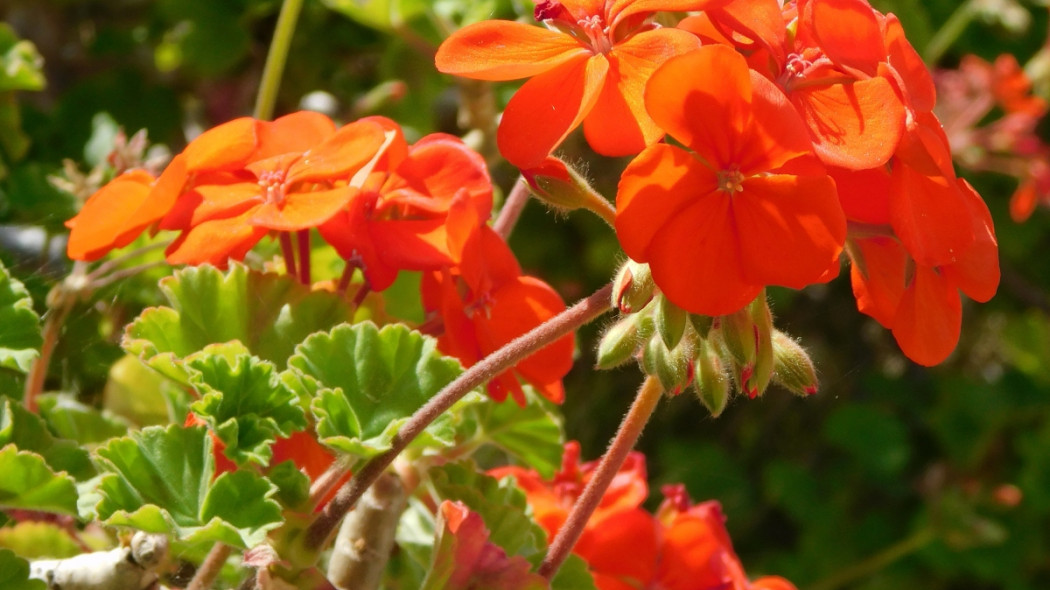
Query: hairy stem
x,y
320,531
59,303
630,429
210,567
512,208
266,100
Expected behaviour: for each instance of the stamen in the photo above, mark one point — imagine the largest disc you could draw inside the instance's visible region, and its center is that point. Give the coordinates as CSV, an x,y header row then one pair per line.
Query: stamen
x,y
597,33
730,181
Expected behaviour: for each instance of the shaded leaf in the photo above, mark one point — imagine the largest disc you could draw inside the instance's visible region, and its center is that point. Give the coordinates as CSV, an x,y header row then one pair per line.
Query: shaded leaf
x,y
367,382
28,483
28,432
20,337
532,435
21,66
73,420
14,573
384,15
160,480
36,539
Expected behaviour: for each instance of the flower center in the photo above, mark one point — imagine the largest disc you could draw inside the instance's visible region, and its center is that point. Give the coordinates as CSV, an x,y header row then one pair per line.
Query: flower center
x,y
594,27
730,181
272,184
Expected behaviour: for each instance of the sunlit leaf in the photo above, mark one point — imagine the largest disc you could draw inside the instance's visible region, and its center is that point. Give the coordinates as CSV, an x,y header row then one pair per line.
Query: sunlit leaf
x,y
532,435
160,480
28,483
366,382
21,66
20,336
36,539
28,432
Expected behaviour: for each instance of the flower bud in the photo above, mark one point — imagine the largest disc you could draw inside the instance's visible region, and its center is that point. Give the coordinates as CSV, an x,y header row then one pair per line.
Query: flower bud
x,y
670,321
702,324
712,382
748,334
633,287
619,343
558,185
673,367
792,366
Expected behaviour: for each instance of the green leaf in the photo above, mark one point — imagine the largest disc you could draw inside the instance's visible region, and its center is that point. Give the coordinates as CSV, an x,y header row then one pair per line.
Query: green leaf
x,y
28,432
160,480
293,486
28,483
533,434
71,419
137,393
501,504
267,314
14,573
876,439
573,575
20,337
367,382
20,63
245,403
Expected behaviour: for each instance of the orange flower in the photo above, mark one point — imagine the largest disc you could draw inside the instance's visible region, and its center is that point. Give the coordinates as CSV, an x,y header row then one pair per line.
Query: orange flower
x,y
113,217
397,219
681,547
590,67
246,178
920,302
748,207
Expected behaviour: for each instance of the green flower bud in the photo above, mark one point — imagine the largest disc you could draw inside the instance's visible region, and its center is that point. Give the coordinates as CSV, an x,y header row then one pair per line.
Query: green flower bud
x,y
748,335
702,324
633,287
670,321
792,367
554,182
673,367
712,382
619,343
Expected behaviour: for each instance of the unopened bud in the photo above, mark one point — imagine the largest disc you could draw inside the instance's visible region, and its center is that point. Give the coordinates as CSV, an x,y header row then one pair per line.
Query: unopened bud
x,y
702,324
620,342
747,334
712,382
672,367
670,320
633,287
793,368
554,182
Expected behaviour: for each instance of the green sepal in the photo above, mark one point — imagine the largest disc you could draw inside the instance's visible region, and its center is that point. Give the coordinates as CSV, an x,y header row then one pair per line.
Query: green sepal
x,y
671,321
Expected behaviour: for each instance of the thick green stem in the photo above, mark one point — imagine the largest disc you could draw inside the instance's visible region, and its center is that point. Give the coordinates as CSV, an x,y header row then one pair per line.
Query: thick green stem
x,y
266,100
877,562
319,533
630,429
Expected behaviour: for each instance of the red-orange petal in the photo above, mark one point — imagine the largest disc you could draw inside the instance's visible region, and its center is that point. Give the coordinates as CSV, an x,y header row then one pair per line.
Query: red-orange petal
x,y
977,270
302,210
878,277
548,107
619,125
854,125
919,90
107,219
293,133
505,50
708,118
929,318
215,242
849,33
790,229
864,194
929,215
340,155
225,147
621,9
439,166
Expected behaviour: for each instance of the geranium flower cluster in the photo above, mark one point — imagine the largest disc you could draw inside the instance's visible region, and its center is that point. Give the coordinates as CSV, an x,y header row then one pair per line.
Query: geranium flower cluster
x,y
681,547
384,205
801,130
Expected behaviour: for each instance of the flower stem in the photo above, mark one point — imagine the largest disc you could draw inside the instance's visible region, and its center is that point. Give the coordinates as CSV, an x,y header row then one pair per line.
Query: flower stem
x,y
304,256
320,531
288,252
210,567
949,32
512,208
59,303
630,429
266,100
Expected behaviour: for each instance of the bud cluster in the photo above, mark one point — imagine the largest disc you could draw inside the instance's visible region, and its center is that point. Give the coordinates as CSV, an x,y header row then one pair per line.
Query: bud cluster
x,y
716,356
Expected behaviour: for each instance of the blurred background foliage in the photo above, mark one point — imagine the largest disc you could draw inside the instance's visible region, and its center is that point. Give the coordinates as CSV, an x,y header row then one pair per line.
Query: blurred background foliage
x,y
892,477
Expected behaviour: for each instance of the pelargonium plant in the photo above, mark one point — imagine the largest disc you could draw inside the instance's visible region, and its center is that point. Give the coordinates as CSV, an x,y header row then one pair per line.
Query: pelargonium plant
x,y
310,430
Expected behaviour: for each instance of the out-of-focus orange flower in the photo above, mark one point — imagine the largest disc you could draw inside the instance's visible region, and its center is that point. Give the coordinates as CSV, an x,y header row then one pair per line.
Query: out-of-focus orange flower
x,y
748,206
112,217
484,302
682,547
589,67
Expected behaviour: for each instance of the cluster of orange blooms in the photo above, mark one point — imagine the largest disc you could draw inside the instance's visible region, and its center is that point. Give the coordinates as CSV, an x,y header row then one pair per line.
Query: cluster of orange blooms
x,y
680,547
